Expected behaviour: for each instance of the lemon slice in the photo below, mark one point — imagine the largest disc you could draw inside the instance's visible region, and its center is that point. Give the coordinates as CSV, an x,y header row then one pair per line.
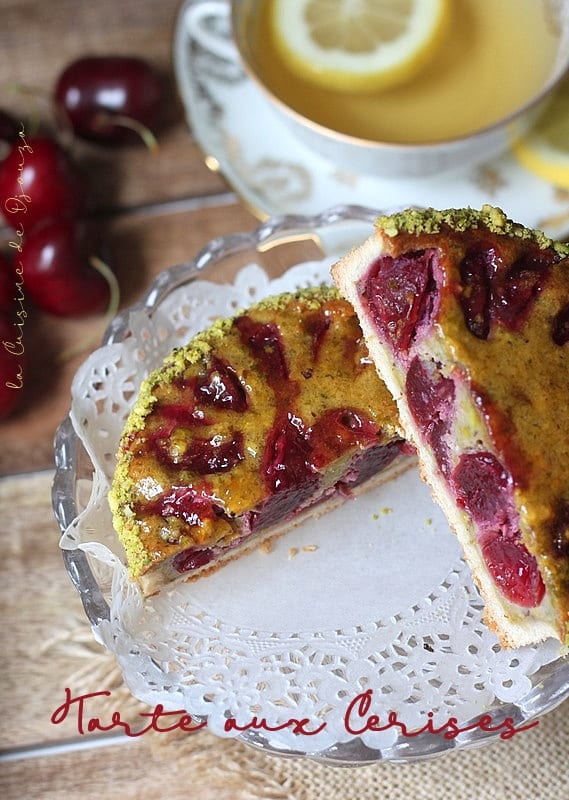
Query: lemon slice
x,y
358,45
545,150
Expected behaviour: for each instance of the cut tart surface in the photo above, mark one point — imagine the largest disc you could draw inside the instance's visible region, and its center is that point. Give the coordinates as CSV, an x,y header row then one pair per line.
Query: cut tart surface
x,y
466,316
261,420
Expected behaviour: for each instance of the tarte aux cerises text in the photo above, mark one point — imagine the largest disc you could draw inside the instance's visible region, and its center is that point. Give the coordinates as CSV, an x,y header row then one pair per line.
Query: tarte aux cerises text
x,y
466,315
265,418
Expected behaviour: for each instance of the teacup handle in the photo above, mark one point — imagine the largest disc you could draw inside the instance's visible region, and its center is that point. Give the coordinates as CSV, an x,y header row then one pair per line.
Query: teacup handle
x,y
196,15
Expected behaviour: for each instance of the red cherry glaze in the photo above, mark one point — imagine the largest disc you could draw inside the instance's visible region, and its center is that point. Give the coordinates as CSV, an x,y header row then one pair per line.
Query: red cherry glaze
x,y
560,327
11,361
286,460
222,388
180,415
485,489
475,271
93,90
401,295
492,293
317,325
514,570
265,343
57,276
183,502
188,560
49,188
336,431
431,402
515,292
205,457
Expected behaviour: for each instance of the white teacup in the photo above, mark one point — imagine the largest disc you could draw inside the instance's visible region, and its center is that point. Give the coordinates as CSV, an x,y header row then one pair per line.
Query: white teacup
x,y
387,156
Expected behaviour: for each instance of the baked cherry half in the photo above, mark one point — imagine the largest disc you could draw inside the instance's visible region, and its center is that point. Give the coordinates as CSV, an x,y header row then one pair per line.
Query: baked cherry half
x,y
493,293
514,570
431,399
401,295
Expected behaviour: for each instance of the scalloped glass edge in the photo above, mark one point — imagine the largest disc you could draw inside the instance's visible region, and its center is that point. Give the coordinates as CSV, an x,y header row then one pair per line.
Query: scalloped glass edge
x,y
550,685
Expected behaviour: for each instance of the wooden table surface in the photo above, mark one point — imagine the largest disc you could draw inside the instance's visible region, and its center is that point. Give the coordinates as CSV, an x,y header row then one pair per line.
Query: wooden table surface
x,y
152,211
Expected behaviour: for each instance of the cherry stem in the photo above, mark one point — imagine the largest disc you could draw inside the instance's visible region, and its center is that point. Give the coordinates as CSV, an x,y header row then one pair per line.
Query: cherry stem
x,y
107,273
112,308
103,118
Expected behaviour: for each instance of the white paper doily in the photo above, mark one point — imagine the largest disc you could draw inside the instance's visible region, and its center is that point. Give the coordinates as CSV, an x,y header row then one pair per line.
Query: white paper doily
x,y
379,600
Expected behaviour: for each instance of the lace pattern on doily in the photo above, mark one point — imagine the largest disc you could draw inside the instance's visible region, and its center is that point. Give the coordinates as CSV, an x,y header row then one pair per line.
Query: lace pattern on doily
x,y
435,655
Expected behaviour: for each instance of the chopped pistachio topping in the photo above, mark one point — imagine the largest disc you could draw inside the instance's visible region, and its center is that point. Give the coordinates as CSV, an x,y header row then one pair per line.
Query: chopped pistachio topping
x,y
430,220
204,342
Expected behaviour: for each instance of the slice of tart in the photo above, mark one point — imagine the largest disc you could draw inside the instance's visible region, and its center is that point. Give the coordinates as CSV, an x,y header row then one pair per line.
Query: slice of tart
x,y
466,315
260,421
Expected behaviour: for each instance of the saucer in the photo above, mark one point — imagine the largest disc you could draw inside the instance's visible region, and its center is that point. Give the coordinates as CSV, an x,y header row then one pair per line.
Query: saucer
x,y
242,137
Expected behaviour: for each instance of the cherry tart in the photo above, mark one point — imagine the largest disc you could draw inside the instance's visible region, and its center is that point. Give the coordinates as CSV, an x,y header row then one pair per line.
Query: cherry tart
x,y
466,316
262,420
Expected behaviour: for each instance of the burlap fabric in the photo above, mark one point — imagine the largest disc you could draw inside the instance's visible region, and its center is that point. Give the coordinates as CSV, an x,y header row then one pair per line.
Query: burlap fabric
x,y
534,765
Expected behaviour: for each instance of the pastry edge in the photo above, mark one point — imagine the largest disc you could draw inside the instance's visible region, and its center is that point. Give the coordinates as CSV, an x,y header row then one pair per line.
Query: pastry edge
x,y
347,273
151,584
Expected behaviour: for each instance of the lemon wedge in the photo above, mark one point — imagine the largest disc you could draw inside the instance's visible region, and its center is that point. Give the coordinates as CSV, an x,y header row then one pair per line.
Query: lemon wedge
x,y
358,45
545,150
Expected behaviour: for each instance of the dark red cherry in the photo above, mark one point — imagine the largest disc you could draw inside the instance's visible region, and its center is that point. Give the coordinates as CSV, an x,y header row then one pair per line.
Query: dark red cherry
x,y
485,489
9,128
265,343
204,456
189,560
222,388
185,503
336,432
431,399
37,183
286,460
11,366
57,275
475,272
492,292
317,324
516,290
401,295
514,570
179,415
96,91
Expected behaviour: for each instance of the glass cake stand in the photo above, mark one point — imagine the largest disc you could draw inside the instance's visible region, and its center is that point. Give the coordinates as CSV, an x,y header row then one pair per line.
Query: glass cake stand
x,y
396,630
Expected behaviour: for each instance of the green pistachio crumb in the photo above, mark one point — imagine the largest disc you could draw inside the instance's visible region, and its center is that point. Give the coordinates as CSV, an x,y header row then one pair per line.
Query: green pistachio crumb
x,y
430,220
